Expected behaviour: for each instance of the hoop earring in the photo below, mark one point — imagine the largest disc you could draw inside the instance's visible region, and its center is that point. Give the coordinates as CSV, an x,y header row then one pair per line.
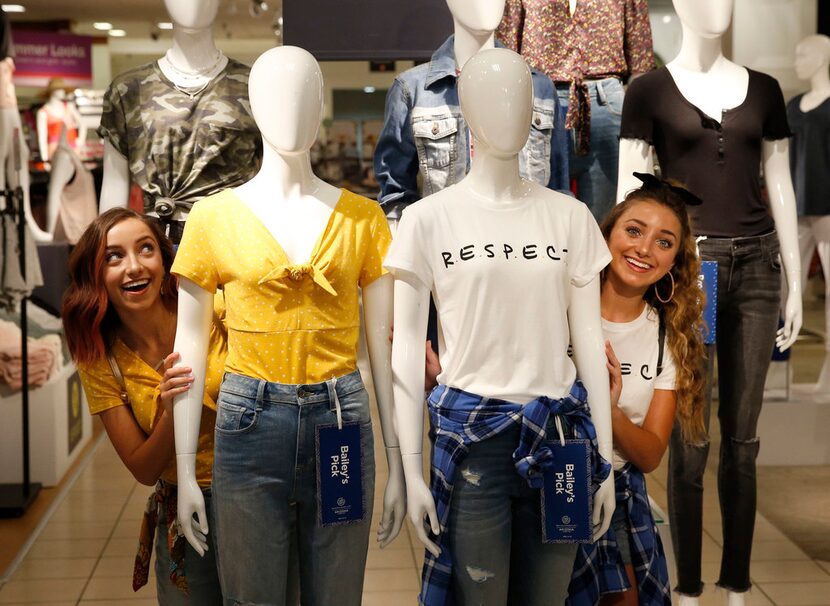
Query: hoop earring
x,y
657,294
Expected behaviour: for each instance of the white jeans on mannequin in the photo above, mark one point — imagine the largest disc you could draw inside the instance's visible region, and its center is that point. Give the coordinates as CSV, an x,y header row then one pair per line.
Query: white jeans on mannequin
x,y
814,234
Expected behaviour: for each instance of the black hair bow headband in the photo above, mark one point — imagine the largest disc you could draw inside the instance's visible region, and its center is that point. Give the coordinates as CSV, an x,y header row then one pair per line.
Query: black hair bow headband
x,y
650,181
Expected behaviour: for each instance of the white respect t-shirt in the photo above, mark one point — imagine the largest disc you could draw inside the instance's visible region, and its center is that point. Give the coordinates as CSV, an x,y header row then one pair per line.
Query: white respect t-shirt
x,y
500,276
637,348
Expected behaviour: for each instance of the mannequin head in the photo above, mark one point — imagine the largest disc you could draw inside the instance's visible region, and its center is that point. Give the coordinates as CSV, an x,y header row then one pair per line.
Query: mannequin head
x,y
192,14
496,93
480,16
811,55
286,92
706,18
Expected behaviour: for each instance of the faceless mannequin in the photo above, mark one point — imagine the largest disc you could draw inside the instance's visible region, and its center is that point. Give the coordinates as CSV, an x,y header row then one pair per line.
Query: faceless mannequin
x,y
500,125
58,106
812,57
713,84
286,92
191,63
474,24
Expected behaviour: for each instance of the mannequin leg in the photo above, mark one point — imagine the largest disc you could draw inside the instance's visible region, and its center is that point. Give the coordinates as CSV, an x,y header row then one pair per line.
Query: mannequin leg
x,y
806,246
821,234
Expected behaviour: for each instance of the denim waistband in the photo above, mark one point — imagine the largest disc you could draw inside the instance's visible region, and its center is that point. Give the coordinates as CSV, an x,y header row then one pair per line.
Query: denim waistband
x,y
767,242
301,394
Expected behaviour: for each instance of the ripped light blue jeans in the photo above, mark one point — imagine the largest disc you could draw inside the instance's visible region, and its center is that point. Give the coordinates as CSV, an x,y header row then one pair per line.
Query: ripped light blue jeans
x,y
265,487
495,527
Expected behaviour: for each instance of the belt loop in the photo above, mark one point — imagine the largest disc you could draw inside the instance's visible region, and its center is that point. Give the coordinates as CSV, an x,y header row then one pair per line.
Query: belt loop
x,y
331,384
260,392
601,96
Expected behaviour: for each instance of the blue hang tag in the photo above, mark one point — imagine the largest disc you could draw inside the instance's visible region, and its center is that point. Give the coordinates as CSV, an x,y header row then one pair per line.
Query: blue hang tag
x,y
709,285
566,503
339,474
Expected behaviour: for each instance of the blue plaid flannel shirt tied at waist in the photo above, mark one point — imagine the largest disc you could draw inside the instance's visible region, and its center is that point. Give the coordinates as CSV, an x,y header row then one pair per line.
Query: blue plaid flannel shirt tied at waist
x,y
460,418
599,569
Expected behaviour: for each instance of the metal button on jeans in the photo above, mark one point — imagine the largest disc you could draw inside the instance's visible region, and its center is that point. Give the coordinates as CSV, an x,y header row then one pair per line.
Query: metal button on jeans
x,y
302,392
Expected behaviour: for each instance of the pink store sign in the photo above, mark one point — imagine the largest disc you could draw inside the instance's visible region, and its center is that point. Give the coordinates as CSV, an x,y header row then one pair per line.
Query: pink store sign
x,y
40,56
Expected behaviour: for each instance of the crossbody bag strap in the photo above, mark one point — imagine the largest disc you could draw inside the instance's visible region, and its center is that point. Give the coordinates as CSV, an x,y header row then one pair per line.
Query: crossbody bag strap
x,y
661,338
116,371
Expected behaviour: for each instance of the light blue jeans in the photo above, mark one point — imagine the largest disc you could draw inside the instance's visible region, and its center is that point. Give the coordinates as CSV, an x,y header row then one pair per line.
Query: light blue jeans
x,y
265,487
200,571
495,528
596,173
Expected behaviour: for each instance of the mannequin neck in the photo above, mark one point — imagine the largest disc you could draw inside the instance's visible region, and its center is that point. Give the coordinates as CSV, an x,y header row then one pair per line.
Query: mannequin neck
x,y
286,175
193,49
494,177
699,53
56,100
820,82
467,43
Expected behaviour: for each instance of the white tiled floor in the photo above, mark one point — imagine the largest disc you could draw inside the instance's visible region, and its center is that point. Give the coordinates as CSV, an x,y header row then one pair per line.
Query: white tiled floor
x,y
85,553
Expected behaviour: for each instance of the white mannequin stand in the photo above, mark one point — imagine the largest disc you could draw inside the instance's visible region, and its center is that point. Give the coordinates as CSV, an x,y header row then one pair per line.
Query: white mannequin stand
x,y
286,92
500,126
190,64
811,63
713,83
57,105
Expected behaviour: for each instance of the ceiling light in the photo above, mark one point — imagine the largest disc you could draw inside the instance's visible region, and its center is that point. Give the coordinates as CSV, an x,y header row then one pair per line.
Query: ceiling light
x,y
117,33
369,89
165,25
14,8
102,25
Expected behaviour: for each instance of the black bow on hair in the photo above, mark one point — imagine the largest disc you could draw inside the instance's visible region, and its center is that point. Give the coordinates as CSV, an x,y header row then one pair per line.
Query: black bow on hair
x,y
649,181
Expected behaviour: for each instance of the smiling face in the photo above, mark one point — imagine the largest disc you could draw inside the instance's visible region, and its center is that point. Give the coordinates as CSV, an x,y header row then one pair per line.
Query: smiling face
x,y
133,267
643,243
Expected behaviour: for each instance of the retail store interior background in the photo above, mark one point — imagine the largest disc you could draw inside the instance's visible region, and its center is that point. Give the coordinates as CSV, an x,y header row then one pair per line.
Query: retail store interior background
x,y
76,543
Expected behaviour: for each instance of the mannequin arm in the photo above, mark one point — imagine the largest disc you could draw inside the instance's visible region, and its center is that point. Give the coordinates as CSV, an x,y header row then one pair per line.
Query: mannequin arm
x,y
782,206
115,190
635,156
589,357
192,336
43,135
62,171
377,315
408,362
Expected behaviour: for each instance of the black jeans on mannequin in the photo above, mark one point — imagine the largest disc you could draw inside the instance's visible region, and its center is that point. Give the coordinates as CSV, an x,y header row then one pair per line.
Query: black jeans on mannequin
x,y
748,300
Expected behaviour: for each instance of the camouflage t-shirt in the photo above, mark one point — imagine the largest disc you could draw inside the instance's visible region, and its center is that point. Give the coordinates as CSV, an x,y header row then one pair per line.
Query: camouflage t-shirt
x,y
179,146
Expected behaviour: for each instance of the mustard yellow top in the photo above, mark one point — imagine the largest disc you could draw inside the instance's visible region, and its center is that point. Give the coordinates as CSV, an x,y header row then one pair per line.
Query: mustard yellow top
x,y
286,323
142,382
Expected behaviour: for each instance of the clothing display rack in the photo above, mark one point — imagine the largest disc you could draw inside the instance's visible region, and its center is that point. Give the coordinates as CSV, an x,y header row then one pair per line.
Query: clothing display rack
x,y
16,498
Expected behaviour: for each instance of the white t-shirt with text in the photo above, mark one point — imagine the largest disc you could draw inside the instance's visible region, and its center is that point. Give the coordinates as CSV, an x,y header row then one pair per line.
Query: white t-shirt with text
x,y
637,348
501,277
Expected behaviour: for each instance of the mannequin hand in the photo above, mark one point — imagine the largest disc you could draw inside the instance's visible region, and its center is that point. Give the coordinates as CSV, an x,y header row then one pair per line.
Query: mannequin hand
x,y
175,380
614,374
420,503
604,503
394,499
192,501
788,333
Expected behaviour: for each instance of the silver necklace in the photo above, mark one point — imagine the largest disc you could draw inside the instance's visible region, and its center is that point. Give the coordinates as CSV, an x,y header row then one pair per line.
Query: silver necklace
x,y
195,74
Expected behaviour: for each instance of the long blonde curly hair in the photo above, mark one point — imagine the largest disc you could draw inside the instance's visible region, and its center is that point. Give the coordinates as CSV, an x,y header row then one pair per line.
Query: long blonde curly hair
x,y
683,314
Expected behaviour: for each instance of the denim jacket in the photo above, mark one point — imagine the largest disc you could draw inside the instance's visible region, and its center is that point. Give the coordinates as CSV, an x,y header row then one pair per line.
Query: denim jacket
x,y
424,132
